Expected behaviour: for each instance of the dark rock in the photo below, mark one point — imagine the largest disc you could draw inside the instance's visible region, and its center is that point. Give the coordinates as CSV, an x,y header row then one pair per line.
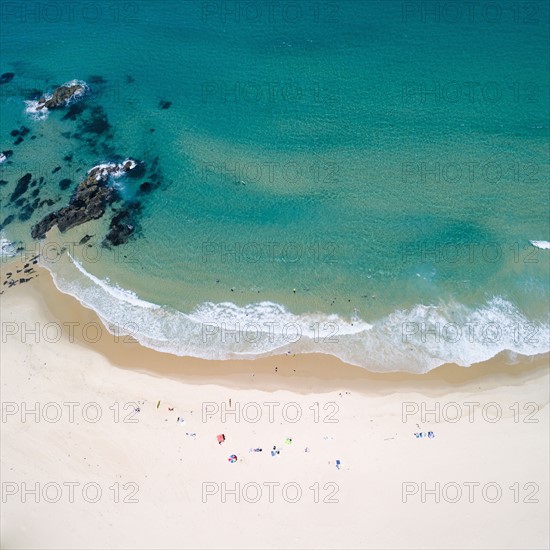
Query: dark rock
x,y
130,79
165,104
121,227
68,158
7,153
14,133
24,131
65,183
21,187
98,122
96,79
18,141
44,225
48,202
89,201
61,96
56,169
6,77
3,182
138,171
74,110
85,239
20,202
146,187
119,235
35,193
7,221
25,213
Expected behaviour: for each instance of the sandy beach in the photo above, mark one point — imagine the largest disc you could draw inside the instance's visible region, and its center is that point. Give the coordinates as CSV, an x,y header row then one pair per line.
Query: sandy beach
x,y
106,444
274,275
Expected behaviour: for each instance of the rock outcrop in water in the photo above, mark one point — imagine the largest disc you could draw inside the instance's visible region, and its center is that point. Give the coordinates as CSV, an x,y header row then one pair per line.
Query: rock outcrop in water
x,y
61,96
123,224
89,202
6,77
21,187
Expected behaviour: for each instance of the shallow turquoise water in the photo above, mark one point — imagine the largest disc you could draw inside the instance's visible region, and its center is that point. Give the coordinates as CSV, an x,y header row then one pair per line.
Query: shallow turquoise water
x,y
307,172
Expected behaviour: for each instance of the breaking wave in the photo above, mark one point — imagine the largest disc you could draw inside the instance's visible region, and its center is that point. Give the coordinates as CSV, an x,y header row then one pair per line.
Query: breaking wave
x,y
8,249
545,245
414,340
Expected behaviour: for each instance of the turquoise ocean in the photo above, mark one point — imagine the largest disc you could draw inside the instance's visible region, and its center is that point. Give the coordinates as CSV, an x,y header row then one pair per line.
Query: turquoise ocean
x,y
367,179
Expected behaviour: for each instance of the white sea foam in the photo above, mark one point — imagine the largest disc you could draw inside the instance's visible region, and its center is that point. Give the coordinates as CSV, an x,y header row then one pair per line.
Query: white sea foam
x,y
78,95
114,290
112,169
3,158
34,112
545,245
7,248
415,340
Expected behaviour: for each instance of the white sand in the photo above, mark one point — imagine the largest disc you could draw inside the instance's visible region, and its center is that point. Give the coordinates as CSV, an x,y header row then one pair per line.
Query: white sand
x,y
378,451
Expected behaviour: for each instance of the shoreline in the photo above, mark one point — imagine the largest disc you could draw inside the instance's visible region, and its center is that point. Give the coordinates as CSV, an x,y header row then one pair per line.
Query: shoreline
x,y
294,372
412,339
